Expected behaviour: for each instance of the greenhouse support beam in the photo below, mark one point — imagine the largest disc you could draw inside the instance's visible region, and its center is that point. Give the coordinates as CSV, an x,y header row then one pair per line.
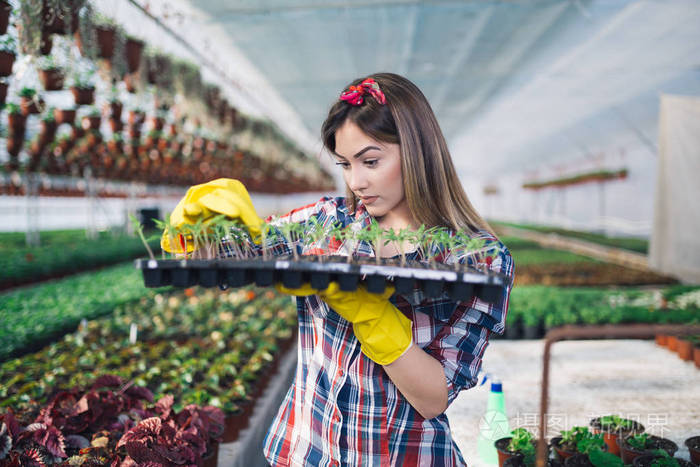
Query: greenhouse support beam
x,y
608,331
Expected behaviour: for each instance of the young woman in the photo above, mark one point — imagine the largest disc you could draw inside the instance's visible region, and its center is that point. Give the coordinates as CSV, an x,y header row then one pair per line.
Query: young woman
x,y
376,372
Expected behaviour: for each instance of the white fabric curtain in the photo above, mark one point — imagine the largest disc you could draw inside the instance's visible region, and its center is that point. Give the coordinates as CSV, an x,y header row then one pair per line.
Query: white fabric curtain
x,y
675,239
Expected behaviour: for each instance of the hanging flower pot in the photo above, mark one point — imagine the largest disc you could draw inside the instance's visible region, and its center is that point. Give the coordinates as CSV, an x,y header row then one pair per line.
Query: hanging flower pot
x,y
157,123
16,122
130,80
64,116
105,41
3,92
14,146
57,20
116,144
46,44
29,102
115,125
114,109
7,56
83,95
133,48
5,10
52,78
47,132
92,121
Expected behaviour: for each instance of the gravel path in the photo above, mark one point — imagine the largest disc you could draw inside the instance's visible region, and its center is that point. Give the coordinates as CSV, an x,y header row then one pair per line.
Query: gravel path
x,y
633,378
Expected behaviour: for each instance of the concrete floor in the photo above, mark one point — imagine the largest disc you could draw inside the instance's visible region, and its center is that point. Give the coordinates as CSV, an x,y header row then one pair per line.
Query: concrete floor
x,y
632,378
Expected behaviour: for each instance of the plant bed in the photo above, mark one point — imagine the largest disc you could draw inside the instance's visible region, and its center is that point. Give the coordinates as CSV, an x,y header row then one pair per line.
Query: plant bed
x,y
635,445
613,428
434,280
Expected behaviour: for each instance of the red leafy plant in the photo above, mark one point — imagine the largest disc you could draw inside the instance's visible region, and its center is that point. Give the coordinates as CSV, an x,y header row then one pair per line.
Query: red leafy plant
x,y
110,424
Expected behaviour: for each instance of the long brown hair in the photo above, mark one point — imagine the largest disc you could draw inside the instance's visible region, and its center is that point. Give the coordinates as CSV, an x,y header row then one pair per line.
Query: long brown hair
x,y
433,191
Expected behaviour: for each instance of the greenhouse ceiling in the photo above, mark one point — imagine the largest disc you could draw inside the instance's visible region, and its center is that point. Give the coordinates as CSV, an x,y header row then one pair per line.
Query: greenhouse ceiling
x,y
516,85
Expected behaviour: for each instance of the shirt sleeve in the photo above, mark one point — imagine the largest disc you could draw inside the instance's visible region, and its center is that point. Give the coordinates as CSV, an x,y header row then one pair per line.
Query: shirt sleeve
x,y
463,328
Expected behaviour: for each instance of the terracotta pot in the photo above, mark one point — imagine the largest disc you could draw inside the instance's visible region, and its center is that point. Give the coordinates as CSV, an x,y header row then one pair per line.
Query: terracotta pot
x,y
55,22
114,110
64,116
47,132
52,79
30,106
696,356
672,343
7,59
91,123
46,44
3,92
561,452
16,123
133,48
628,454
130,82
502,450
611,437
685,349
157,123
115,125
83,96
693,445
14,145
115,146
5,9
105,41
661,339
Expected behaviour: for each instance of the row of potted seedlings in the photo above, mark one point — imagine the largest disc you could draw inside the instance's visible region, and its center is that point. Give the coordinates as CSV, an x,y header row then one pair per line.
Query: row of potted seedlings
x,y
209,348
687,347
611,441
320,264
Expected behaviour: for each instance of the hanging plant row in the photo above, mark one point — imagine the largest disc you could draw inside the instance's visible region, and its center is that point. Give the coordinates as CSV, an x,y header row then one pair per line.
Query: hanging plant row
x,y
322,263
587,177
232,143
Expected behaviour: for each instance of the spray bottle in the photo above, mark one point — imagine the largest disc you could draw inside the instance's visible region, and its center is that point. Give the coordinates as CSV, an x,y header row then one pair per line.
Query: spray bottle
x,y
494,424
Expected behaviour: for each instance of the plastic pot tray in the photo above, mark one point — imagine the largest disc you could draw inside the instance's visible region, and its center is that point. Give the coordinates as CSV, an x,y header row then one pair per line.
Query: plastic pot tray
x,y
434,280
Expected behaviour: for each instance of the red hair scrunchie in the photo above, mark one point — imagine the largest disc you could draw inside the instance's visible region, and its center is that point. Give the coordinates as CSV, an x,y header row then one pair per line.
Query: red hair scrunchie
x,y
353,95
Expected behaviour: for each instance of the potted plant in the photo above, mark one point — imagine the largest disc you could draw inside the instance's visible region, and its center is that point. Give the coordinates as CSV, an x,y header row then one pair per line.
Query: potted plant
x,y
105,35
47,129
29,101
116,144
3,91
133,49
16,121
113,108
574,441
520,443
82,88
635,445
5,10
614,427
50,74
64,116
92,120
693,445
8,53
661,459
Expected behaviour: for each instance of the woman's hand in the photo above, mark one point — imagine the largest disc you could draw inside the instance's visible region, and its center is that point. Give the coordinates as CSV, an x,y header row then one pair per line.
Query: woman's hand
x,y
221,196
383,331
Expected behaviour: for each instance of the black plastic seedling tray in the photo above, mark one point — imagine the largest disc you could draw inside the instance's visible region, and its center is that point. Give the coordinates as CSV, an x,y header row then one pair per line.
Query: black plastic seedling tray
x,y
434,280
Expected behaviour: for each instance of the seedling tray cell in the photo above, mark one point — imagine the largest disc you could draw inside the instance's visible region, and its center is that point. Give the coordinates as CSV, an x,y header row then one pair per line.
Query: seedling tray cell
x,y
435,280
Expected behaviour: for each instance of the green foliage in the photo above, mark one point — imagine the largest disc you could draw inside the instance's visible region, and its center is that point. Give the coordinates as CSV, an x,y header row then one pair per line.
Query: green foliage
x,y
523,442
49,310
601,458
638,441
12,108
8,44
615,423
27,92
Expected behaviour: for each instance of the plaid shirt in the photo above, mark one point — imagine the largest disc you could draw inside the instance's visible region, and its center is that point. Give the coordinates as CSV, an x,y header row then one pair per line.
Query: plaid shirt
x,y
342,408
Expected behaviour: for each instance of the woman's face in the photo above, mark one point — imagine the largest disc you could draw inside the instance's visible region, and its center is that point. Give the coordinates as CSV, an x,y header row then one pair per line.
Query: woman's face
x,y
371,169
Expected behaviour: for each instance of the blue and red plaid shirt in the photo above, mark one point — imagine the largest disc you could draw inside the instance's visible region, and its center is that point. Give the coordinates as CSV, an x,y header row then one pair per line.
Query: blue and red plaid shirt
x,y
342,408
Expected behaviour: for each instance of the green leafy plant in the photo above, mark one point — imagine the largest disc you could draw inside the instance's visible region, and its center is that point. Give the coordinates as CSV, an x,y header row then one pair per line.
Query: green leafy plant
x,y
83,79
138,228
522,441
8,44
600,458
27,92
12,108
638,441
615,423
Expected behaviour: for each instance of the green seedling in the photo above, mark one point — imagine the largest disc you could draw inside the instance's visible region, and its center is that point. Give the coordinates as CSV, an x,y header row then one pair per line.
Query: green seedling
x,y
639,441
615,423
139,229
523,442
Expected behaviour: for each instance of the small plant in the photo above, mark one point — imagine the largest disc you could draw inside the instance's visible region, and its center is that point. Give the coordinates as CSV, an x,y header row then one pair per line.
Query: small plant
x,y
13,109
615,423
94,112
570,439
600,458
83,79
47,62
8,44
664,460
139,229
27,93
522,441
638,441
376,234
292,234
49,117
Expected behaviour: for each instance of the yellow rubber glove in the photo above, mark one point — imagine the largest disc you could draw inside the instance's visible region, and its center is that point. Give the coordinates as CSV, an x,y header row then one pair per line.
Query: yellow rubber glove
x,y
221,196
383,331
